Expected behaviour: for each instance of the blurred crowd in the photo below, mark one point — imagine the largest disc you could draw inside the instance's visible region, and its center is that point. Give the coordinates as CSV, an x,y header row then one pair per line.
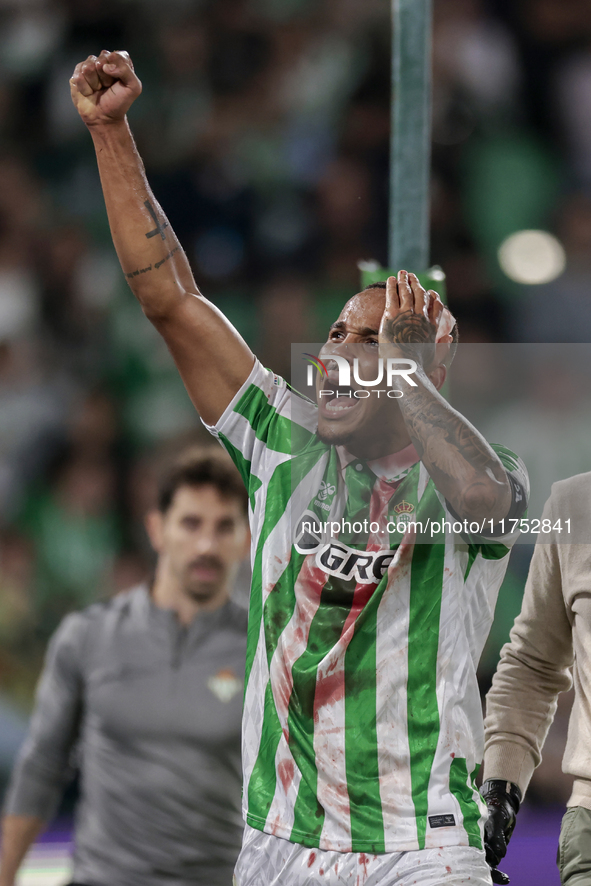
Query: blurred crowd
x,y
265,126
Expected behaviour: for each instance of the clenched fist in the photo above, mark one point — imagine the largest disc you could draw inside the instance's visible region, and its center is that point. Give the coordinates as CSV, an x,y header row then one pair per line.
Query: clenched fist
x,y
104,87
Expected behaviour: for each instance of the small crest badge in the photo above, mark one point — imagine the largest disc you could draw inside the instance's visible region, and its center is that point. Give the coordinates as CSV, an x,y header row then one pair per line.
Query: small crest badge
x,y
224,685
403,512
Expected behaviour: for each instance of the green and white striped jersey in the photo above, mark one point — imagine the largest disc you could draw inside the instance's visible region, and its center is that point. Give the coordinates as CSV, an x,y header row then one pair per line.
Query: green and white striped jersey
x,y
362,724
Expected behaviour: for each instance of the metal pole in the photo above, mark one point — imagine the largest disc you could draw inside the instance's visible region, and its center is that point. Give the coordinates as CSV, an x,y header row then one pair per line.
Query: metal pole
x,y
410,147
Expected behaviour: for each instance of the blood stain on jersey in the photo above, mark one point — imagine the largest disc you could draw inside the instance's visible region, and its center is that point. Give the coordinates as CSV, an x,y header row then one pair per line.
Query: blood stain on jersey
x,y
286,772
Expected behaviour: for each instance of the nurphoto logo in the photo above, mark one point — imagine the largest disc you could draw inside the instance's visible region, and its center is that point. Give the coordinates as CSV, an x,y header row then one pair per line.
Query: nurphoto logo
x,y
390,367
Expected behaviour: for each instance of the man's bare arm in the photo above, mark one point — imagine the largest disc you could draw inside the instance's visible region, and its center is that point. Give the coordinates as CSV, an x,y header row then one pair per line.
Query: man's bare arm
x,y
463,466
213,359
19,832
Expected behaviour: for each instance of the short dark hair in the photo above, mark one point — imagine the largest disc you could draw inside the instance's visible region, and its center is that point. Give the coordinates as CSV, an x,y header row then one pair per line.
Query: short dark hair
x,y
455,333
197,467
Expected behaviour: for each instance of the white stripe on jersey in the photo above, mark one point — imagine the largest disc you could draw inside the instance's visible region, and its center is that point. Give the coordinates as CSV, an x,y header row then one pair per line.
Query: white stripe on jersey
x,y
280,817
452,668
329,721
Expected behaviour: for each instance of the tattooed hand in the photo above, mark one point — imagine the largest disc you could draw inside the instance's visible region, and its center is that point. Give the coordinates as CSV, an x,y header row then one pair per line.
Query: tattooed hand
x,y
465,469
414,317
104,87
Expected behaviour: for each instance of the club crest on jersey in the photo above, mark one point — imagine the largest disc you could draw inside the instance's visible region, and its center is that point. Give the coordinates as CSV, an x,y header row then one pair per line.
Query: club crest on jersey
x,y
224,685
403,512
337,558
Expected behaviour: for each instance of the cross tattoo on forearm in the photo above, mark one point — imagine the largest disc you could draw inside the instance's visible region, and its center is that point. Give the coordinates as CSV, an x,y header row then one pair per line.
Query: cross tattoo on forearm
x,y
159,229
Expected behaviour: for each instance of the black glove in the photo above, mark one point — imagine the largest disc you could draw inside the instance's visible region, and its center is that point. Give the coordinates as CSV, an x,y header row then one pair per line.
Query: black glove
x,y
503,799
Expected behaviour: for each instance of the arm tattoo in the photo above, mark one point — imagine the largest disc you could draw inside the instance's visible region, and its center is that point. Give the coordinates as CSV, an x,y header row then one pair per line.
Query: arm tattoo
x,y
154,267
159,229
456,456
428,421
138,271
166,257
461,463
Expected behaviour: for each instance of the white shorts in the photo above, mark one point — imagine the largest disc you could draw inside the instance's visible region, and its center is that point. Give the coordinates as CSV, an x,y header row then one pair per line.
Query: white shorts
x,y
266,860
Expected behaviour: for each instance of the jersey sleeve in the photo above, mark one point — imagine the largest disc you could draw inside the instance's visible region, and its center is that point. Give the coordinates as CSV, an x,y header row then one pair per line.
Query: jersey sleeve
x,y
518,478
43,767
507,531
262,424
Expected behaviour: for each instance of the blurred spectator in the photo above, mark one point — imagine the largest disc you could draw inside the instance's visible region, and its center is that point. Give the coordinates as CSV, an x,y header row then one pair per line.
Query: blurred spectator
x,y
20,649
33,403
74,525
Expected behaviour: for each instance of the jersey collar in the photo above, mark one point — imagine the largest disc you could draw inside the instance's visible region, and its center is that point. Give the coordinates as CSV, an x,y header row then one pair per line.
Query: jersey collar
x,y
389,467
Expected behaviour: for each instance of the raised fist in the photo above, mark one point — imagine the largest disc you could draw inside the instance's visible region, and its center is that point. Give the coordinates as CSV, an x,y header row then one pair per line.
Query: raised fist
x,y
104,87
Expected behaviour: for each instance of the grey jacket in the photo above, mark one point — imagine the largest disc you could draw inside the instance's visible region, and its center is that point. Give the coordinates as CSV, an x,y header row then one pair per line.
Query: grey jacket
x,y
153,712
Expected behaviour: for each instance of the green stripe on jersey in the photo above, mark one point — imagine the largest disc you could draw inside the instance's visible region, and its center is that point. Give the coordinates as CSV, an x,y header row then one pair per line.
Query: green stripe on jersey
x,y
268,425
277,431
251,481
361,738
278,611
462,788
263,780
273,513
426,585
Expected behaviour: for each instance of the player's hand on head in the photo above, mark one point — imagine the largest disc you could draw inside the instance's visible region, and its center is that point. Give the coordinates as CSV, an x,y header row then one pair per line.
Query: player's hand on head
x,y
413,316
104,87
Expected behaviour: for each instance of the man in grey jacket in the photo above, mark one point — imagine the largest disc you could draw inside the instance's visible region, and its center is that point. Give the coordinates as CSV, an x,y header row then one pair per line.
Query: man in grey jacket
x,y
549,651
147,689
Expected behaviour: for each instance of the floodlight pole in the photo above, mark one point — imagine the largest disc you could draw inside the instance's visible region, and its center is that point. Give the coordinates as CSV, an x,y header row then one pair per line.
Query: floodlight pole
x,y
410,147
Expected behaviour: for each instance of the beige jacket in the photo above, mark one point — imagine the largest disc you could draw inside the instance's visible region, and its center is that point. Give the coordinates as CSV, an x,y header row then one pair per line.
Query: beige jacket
x,y
551,637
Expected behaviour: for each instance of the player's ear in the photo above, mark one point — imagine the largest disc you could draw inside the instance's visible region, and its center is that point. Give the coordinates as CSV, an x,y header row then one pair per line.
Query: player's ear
x,y
438,376
153,521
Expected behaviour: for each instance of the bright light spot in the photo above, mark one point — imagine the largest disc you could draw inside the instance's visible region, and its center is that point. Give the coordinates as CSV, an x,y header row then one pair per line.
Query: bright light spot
x,y
436,273
532,257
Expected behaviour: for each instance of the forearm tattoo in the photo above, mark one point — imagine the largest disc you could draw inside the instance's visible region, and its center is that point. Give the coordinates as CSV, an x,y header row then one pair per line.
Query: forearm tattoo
x,y
456,456
153,267
159,229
